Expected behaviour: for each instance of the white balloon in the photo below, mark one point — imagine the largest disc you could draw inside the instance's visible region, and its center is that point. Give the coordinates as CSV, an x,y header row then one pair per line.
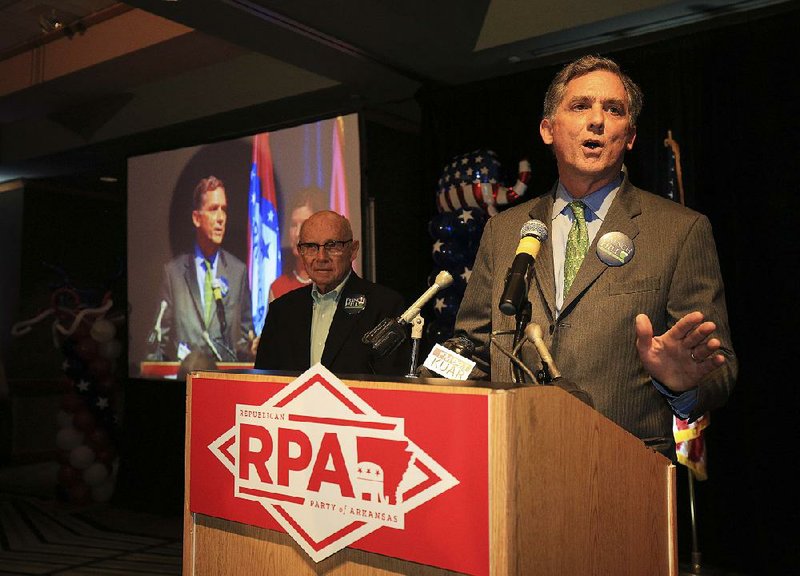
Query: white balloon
x,y
110,349
81,457
95,474
64,419
69,438
102,330
103,491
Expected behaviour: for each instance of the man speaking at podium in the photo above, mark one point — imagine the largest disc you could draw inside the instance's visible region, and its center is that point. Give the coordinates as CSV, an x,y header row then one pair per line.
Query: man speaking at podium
x,y
619,266
205,296
324,322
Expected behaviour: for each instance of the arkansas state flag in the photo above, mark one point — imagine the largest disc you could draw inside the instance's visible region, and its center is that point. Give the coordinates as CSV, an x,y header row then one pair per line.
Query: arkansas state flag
x,y
264,244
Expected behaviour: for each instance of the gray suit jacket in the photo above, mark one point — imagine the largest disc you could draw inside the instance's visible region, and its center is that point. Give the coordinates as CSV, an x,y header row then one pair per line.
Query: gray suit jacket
x,y
183,320
674,271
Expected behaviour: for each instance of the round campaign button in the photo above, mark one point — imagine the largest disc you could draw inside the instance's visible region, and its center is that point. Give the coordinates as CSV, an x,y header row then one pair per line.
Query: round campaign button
x,y
615,249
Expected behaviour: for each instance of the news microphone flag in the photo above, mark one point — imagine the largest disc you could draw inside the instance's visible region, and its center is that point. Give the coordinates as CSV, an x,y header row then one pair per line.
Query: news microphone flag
x,y
264,248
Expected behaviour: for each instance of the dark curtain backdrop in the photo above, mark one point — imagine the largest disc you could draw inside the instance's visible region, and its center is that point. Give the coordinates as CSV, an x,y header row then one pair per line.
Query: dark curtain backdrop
x,y
729,96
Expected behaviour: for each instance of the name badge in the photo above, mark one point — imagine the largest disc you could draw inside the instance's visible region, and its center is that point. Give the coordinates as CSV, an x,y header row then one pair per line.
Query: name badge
x,y
355,304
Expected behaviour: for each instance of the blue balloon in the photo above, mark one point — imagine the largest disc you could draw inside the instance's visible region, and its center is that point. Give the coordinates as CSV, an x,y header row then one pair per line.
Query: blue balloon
x,y
468,224
438,330
460,277
446,302
448,254
442,226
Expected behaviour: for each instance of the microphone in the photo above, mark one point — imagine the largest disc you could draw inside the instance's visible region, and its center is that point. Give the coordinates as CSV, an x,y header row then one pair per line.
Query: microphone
x,y
213,348
443,280
533,333
552,375
532,234
387,336
216,290
155,335
460,345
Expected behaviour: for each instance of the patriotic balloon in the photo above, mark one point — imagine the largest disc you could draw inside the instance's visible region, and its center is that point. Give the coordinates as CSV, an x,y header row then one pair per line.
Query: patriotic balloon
x,y
470,190
472,180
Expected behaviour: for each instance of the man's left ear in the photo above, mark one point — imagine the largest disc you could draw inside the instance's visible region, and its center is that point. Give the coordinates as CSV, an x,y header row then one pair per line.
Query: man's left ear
x,y
546,131
354,250
631,139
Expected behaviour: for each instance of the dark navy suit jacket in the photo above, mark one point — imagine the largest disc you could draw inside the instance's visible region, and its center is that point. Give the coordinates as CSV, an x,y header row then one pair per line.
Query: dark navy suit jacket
x,y
286,337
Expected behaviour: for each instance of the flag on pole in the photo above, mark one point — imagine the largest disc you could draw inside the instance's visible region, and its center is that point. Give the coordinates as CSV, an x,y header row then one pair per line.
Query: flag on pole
x,y
264,253
689,442
690,445
338,199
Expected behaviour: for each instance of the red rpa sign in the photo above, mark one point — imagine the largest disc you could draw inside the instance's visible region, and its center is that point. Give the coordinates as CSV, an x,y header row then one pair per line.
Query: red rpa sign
x,y
398,473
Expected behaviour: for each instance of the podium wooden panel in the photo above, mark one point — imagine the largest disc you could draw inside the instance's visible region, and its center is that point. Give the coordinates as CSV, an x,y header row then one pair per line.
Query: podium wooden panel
x,y
570,493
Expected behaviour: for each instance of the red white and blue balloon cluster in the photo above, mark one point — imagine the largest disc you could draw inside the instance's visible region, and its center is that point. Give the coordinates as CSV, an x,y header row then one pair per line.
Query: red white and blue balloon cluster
x,y
86,440
470,191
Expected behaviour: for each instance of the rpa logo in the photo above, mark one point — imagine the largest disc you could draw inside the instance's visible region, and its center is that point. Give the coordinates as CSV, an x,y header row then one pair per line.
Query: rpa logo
x,y
326,465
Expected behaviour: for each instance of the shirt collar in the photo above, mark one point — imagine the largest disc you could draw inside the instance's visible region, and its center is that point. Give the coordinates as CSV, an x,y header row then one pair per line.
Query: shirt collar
x,y
199,257
333,294
598,201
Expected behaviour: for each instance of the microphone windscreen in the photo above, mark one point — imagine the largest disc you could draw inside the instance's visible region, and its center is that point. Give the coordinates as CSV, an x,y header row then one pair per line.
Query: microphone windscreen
x,y
535,228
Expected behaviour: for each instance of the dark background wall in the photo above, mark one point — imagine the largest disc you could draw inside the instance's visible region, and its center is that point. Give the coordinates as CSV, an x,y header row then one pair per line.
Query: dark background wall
x,y
728,96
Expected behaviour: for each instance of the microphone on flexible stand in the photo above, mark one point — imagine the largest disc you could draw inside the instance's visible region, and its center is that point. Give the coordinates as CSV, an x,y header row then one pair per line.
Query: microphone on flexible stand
x,y
534,335
155,334
550,373
416,335
387,336
213,348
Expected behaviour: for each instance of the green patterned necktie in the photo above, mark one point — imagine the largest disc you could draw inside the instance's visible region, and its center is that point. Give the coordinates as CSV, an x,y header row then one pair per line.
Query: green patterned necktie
x,y
577,244
208,292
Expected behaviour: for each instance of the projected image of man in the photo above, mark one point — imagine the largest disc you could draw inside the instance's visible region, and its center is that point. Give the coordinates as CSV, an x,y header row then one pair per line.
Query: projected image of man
x,y
205,295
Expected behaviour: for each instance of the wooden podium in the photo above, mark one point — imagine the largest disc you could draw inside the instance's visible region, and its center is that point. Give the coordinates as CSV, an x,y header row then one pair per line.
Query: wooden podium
x,y
569,493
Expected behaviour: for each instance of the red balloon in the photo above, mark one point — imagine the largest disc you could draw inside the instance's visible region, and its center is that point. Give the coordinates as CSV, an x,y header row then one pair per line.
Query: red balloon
x,y
84,420
79,492
106,384
100,368
105,455
72,402
63,456
99,439
69,475
86,348
83,330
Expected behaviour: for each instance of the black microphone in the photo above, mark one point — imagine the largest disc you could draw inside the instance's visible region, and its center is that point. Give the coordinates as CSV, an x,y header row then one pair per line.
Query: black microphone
x,y
532,234
387,336
216,290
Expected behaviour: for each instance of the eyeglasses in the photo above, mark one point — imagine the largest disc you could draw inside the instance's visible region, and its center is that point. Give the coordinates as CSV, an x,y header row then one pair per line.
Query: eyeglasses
x,y
332,247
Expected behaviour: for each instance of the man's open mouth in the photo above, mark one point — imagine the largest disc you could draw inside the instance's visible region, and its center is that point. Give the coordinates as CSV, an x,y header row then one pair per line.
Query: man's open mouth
x,y
593,144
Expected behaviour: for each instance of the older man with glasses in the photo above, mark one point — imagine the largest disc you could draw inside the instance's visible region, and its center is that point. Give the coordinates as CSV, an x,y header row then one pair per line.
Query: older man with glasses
x,y
324,322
